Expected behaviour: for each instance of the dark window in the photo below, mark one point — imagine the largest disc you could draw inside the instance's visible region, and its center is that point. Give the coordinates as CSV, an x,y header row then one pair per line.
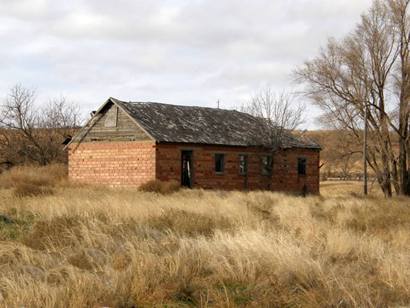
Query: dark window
x,y
219,163
302,166
243,164
266,165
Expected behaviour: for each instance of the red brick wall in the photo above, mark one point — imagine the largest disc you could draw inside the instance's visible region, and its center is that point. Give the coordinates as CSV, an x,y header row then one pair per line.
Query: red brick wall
x,y
133,163
286,168
284,176
113,163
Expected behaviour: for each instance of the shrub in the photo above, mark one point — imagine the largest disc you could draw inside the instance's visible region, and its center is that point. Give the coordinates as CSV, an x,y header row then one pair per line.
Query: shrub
x,y
160,187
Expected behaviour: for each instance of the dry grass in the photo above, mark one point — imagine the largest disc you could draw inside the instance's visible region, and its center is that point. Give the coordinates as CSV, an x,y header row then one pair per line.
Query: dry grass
x,y
160,187
29,181
94,247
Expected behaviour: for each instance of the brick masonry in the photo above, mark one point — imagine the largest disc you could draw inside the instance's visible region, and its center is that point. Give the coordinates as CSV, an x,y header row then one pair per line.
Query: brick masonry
x,y
112,163
285,171
284,174
133,163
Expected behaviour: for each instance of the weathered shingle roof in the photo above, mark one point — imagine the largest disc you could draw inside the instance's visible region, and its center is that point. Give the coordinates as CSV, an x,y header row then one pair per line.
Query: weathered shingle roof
x,y
201,125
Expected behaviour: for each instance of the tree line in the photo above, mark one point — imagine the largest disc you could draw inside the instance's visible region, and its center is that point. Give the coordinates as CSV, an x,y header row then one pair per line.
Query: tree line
x,y
30,133
368,73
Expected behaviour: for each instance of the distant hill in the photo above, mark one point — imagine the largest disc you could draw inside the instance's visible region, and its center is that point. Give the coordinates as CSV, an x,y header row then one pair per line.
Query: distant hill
x,y
341,155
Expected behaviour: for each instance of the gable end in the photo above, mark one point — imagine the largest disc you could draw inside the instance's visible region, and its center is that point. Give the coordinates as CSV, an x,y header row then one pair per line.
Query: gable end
x,y
111,123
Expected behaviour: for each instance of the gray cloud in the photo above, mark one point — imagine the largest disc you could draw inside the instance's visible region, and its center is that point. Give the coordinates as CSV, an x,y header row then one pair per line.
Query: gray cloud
x,y
176,51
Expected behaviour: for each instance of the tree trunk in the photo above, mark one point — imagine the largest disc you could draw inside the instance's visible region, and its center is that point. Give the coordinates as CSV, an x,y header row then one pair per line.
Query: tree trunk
x,y
408,170
403,171
395,177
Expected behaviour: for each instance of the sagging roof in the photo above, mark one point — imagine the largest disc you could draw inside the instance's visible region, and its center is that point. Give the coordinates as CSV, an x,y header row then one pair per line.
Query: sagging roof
x,y
202,125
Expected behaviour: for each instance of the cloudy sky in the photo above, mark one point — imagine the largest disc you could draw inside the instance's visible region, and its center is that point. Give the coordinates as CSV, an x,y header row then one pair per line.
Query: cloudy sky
x,y
190,52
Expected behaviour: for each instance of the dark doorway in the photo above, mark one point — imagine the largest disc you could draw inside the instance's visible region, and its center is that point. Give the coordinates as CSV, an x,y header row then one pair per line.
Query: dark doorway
x,y
243,169
186,168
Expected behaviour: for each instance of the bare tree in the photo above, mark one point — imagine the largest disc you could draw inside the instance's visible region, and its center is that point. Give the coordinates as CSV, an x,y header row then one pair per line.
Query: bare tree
x,y
278,114
400,19
339,156
60,114
31,133
364,70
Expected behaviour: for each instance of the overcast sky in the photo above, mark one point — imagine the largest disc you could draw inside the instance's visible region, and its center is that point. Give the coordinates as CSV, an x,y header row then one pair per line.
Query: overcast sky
x,y
190,52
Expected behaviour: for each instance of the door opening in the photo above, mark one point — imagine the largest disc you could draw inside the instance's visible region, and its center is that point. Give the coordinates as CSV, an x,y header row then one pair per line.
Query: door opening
x,y
243,169
186,169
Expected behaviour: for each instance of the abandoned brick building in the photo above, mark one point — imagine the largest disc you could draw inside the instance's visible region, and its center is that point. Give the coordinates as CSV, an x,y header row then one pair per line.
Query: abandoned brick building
x,y
128,144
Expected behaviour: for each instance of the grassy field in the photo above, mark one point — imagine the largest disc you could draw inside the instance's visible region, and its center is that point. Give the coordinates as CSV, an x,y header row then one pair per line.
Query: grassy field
x,y
66,245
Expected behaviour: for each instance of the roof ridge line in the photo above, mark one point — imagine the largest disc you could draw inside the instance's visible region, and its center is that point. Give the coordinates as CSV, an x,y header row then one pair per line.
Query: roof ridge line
x,y
175,105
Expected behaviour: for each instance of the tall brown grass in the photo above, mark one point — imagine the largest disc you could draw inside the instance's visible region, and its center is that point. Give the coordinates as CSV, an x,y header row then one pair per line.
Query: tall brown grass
x,y
28,181
160,187
95,247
